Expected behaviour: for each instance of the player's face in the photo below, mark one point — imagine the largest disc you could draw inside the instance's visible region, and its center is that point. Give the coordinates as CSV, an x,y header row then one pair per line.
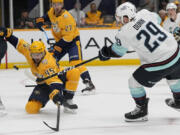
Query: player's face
x,y
125,19
37,57
57,7
171,13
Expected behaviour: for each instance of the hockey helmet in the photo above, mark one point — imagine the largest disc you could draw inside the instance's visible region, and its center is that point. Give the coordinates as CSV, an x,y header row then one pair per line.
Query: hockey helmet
x,y
171,6
55,1
125,9
37,47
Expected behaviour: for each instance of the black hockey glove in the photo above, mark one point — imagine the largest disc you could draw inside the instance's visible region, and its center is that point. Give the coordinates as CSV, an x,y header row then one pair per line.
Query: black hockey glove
x,y
104,54
57,97
5,32
40,23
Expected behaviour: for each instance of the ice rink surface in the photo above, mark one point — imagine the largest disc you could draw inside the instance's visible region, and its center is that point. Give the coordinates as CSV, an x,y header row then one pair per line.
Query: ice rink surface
x,y
99,114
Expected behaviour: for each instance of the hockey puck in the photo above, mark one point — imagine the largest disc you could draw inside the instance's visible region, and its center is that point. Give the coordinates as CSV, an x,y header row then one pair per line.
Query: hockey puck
x,y
15,67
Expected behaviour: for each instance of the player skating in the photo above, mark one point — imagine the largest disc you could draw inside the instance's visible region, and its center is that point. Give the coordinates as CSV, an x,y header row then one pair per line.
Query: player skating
x,y
158,51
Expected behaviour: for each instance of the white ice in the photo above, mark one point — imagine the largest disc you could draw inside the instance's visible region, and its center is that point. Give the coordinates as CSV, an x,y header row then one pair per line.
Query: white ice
x,y
100,114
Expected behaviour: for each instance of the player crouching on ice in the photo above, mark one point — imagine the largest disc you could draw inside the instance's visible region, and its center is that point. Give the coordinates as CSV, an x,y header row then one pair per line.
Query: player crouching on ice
x,y
158,51
60,89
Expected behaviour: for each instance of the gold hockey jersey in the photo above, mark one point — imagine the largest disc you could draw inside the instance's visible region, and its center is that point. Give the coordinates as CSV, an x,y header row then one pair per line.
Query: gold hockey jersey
x,y
46,67
63,26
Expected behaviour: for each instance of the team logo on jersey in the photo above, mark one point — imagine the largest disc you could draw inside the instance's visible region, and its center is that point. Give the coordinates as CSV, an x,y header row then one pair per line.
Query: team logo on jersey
x,y
44,61
55,27
26,45
118,41
65,15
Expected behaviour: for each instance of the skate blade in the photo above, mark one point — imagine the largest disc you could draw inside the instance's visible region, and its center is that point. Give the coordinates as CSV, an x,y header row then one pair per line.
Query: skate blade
x,y
142,119
175,109
70,111
172,107
86,93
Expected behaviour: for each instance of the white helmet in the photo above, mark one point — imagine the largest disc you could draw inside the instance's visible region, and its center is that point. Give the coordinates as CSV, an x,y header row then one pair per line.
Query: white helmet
x,y
125,9
171,6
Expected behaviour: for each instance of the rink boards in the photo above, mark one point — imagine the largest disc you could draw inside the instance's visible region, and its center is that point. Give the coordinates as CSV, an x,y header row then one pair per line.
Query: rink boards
x,y
92,39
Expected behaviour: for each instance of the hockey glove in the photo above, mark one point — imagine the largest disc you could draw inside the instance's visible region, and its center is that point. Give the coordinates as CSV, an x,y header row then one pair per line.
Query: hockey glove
x,y
40,23
5,32
51,49
103,54
57,97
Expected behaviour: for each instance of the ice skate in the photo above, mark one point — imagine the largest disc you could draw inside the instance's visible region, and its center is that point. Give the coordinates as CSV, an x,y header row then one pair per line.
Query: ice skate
x,y
70,107
139,114
90,88
175,104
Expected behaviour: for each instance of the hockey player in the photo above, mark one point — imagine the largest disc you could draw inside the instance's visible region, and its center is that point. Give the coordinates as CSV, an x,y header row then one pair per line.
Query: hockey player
x,y
60,89
172,23
67,39
158,51
173,19
3,50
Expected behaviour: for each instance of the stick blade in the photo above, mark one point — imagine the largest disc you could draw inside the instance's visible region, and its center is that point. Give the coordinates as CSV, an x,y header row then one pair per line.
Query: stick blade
x,y
55,129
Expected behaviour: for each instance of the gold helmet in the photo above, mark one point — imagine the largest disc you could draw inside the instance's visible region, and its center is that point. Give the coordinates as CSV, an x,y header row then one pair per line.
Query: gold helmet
x,y
37,47
60,1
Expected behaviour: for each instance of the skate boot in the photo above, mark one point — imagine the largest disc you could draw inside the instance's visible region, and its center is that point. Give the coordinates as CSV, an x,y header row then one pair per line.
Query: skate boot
x,y
175,104
139,114
90,88
2,110
70,107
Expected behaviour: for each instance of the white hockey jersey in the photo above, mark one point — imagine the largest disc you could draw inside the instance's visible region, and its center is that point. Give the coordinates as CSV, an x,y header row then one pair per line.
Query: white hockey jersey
x,y
170,25
151,42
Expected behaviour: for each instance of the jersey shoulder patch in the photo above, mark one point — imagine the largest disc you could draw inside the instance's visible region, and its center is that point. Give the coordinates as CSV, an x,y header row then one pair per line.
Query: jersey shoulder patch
x,y
65,16
44,61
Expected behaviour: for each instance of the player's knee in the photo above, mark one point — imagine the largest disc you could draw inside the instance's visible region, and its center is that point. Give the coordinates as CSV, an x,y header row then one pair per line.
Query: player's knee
x,y
33,107
133,83
73,75
72,79
82,69
174,85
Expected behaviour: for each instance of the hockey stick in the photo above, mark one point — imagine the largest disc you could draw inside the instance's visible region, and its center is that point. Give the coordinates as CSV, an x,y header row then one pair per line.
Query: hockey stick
x,y
57,120
130,51
67,69
46,35
30,85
